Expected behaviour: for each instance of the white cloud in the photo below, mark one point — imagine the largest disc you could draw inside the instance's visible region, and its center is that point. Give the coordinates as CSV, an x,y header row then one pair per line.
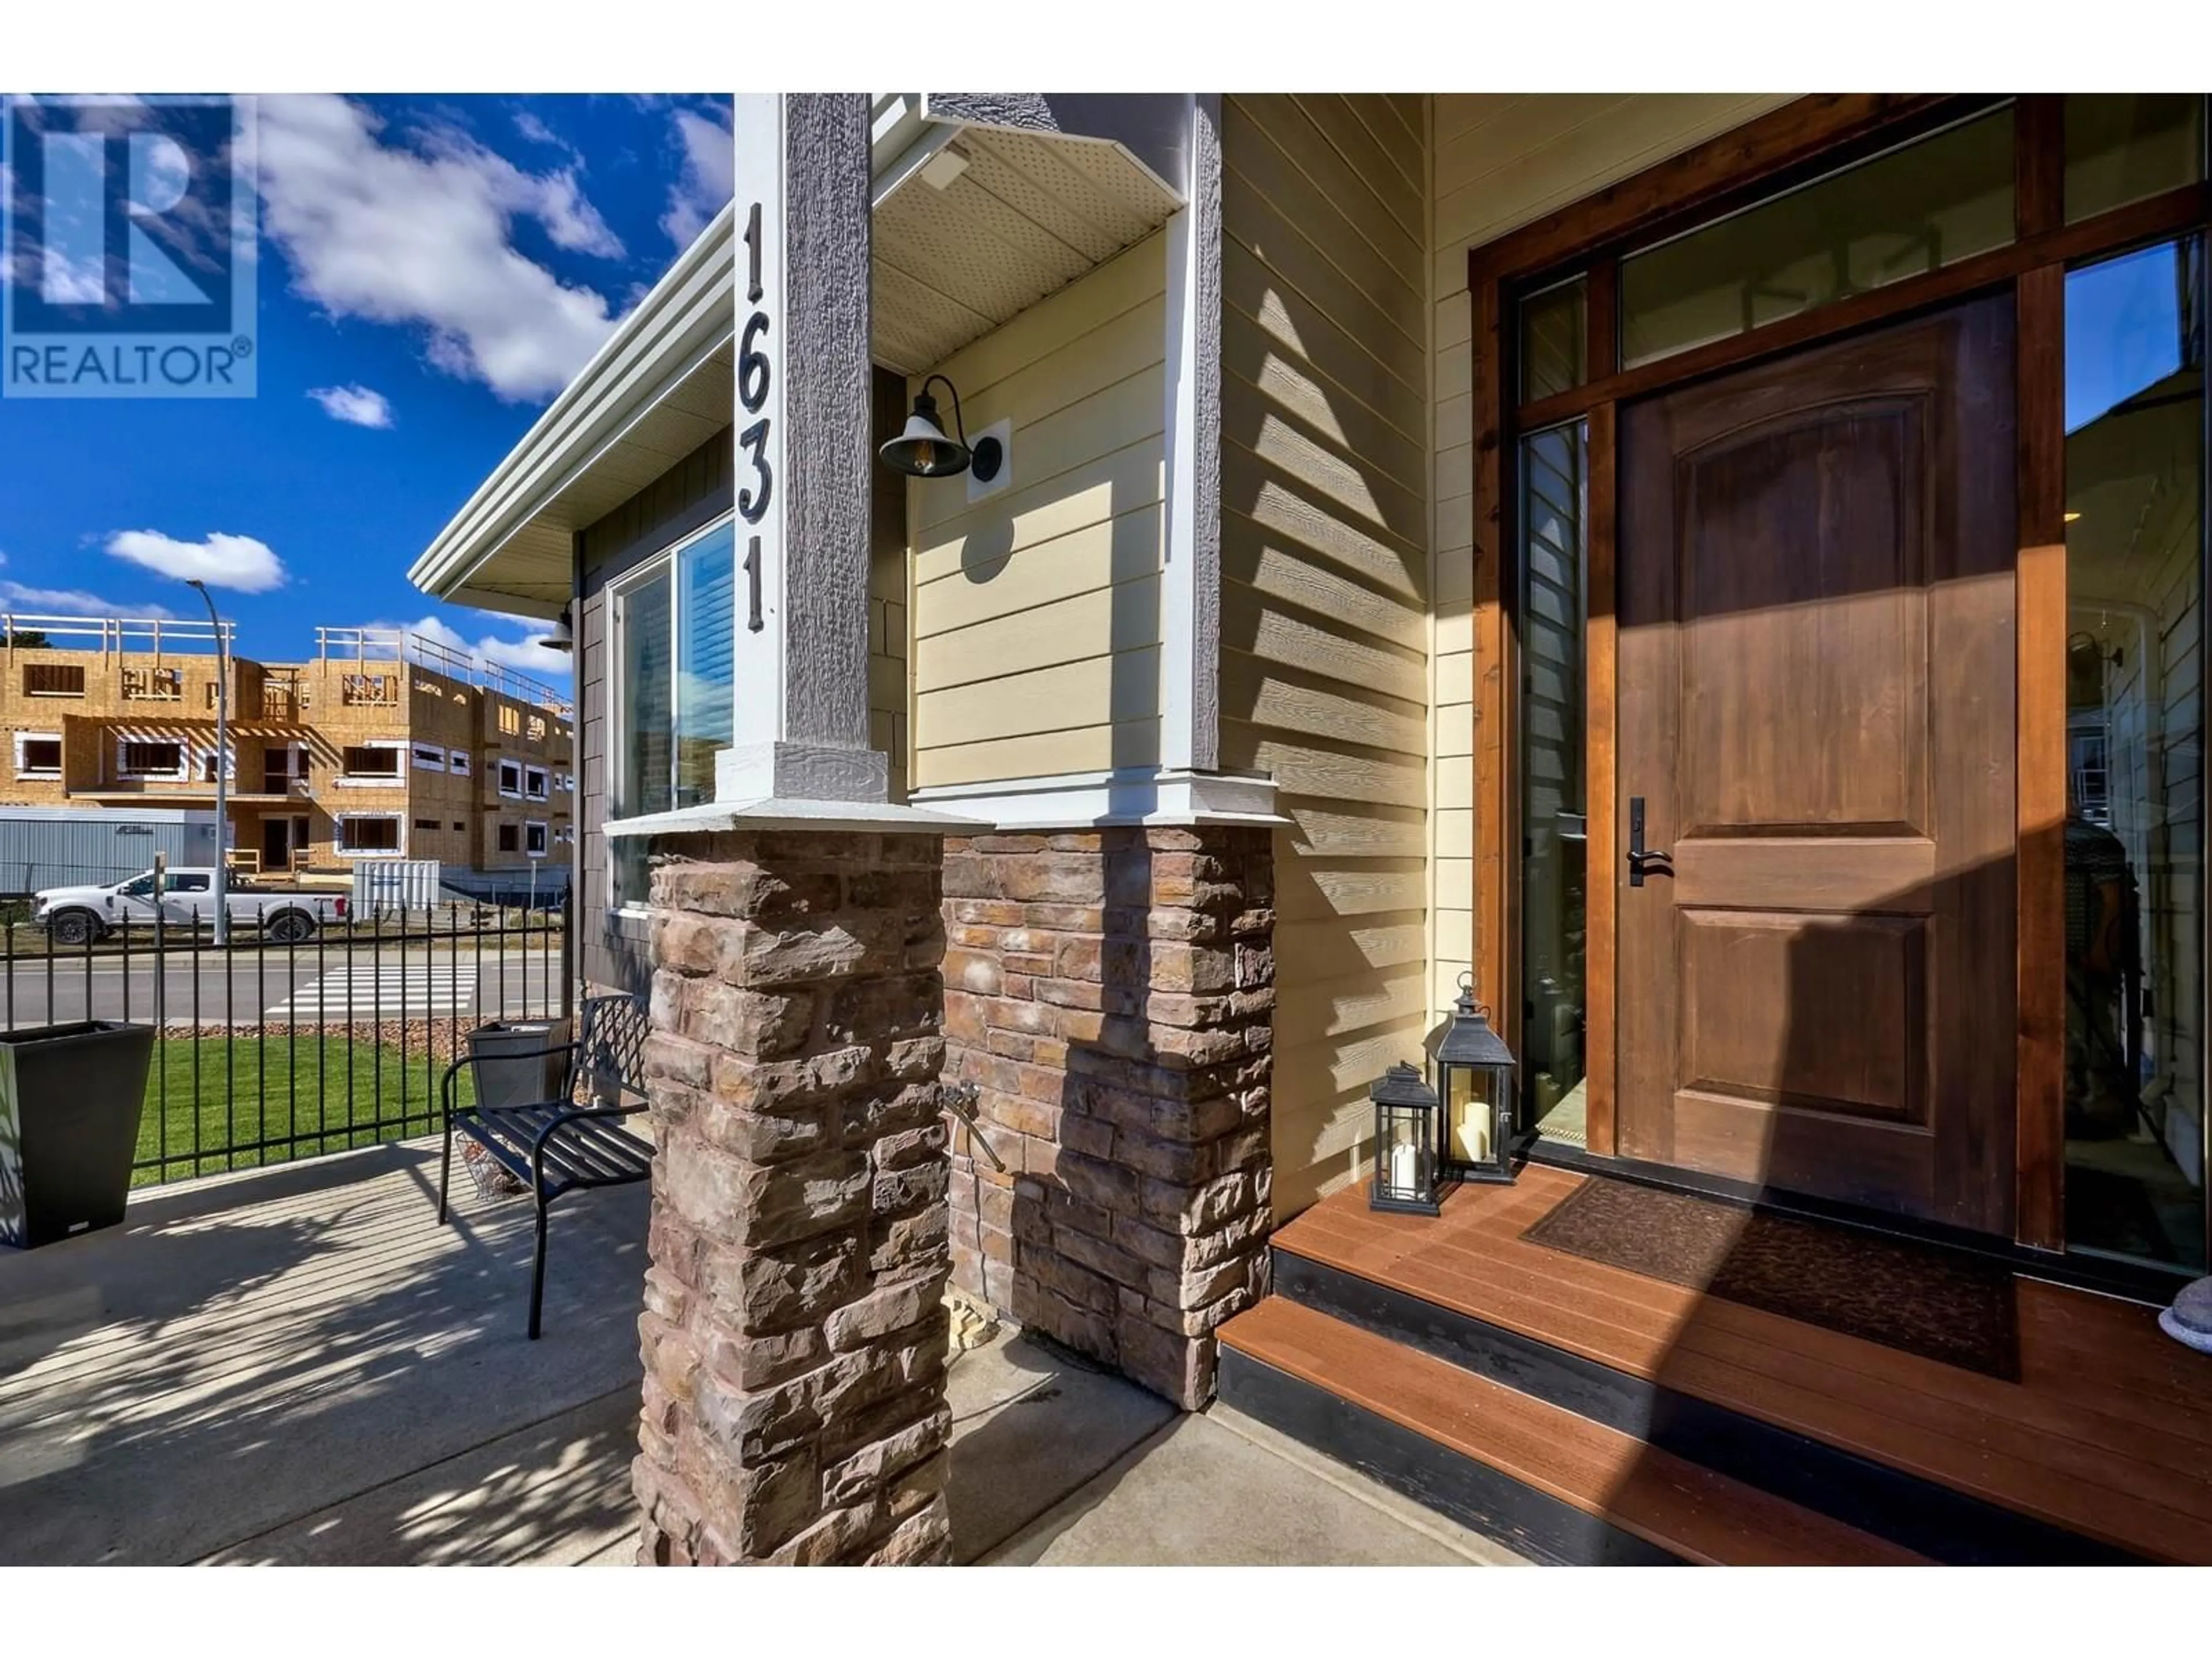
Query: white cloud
x,y
356,406
21,597
710,166
537,132
220,561
72,602
421,236
522,654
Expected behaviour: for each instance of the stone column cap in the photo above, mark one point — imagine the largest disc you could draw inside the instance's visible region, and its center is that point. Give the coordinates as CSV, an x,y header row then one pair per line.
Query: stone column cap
x,y
789,812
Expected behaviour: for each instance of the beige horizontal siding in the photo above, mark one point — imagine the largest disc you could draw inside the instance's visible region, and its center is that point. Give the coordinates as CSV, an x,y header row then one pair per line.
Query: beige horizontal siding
x,y
1035,612
1324,611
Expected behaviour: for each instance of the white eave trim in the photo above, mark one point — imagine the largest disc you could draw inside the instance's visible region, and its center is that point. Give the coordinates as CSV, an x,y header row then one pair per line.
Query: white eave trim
x,y
1134,795
685,318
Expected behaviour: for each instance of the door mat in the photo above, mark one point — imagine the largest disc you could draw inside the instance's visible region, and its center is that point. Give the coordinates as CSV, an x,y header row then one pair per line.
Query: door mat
x,y
1917,1299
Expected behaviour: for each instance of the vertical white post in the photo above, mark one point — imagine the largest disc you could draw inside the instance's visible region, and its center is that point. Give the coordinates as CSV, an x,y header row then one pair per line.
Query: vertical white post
x,y
801,428
1190,624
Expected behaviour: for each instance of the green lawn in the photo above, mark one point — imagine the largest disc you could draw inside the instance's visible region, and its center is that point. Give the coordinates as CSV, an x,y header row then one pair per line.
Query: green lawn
x,y
245,1090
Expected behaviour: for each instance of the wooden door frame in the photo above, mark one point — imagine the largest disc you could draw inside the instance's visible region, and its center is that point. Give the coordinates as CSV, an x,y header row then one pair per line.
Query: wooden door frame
x,y
1802,140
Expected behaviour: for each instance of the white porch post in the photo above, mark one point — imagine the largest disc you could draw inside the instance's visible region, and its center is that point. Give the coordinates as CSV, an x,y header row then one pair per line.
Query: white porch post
x,y
801,429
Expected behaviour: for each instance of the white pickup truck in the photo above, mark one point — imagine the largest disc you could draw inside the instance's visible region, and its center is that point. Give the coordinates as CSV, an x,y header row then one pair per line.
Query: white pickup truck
x,y
84,916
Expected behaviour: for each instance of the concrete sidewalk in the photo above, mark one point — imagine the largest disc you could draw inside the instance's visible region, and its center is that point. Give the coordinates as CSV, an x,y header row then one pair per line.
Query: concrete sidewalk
x,y
300,1366
1056,1463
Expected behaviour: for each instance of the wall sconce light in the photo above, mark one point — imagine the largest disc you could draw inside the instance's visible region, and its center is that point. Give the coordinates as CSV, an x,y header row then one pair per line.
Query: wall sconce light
x,y
561,639
923,450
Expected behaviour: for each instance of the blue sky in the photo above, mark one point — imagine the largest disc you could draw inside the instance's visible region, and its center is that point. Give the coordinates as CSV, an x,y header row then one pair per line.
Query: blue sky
x,y
2123,330
433,270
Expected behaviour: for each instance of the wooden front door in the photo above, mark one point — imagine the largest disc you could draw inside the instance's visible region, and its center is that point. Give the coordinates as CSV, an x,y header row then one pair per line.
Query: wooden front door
x,y
1816,974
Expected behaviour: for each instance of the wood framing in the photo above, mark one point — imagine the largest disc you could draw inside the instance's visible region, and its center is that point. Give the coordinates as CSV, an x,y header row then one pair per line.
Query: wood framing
x,y
2041,765
1802,141
1601,749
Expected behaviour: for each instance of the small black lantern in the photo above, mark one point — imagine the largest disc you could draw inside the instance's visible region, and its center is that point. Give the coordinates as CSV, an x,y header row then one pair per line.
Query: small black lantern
x,y
1475,1073
1408,1143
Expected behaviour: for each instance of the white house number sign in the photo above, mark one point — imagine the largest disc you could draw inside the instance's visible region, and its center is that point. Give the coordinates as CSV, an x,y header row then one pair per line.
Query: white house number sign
x,y
755,379
760,481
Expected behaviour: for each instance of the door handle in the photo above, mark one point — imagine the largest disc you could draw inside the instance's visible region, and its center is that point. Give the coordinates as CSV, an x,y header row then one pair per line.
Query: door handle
x,y
1639,859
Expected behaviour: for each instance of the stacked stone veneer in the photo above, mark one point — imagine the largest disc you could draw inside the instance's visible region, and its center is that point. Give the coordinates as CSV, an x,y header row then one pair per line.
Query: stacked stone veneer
x,y
1110,995
794,1332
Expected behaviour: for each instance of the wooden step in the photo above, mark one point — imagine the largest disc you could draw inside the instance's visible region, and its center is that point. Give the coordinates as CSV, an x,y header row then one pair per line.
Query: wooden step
x,y
1539,1478
2100,1453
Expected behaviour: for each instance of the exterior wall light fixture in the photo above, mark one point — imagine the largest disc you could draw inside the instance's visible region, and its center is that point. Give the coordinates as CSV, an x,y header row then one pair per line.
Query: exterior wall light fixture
x,y
923,450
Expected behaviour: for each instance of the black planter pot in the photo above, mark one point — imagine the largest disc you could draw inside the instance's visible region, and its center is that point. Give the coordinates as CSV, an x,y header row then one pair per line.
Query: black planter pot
x,y
70,1098
520,1063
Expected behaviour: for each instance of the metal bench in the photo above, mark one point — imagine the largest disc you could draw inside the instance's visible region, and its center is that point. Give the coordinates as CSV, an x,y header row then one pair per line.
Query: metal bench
x,y
557,1146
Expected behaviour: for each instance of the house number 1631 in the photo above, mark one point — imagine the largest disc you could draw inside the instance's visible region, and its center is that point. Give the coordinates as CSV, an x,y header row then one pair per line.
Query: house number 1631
x,y
754,372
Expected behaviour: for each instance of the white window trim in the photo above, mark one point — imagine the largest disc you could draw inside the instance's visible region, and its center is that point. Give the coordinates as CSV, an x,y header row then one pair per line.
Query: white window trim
x,y
545,835
460,758
435,762
182,774
617,761
514,793
544,790
23,771
396,779
338,822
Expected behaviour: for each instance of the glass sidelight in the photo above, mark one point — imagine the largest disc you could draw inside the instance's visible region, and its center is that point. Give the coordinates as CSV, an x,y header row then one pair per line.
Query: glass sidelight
x,y
2135,950
1553,471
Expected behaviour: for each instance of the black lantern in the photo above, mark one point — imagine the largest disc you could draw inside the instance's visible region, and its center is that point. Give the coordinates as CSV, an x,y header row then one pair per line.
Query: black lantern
x,y
1475,1073
1408,1142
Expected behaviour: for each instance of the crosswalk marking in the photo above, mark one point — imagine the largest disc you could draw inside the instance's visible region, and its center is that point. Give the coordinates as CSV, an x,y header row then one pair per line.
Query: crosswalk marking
x,y
387,991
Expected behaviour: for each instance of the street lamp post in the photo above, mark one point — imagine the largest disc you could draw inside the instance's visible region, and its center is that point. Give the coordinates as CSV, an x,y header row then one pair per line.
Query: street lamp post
x,y
222,772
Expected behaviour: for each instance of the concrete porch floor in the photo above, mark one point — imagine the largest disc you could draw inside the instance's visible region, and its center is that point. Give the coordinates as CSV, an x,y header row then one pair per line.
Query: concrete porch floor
x,y
299,1366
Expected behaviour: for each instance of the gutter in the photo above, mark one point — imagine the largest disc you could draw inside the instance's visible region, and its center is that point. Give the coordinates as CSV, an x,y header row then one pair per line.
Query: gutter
x,y
685,318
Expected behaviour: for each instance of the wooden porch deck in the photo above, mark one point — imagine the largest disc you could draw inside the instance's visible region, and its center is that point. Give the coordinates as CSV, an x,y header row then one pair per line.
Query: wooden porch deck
x,y
2101,1450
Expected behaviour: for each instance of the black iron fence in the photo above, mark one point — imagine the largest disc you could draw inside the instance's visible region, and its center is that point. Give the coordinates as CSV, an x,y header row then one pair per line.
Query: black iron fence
x,y
268,1051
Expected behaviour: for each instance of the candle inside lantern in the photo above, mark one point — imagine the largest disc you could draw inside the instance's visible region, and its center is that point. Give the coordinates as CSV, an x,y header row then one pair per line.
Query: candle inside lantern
x,y
1405,1166
1469,1117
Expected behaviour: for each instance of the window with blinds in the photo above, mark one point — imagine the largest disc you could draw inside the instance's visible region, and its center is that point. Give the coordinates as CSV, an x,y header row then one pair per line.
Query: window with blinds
x,y
675,644
707,575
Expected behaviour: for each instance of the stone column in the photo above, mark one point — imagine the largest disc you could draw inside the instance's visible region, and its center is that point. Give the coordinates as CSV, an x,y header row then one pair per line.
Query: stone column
x,y
794,1332
794,1335
1110,995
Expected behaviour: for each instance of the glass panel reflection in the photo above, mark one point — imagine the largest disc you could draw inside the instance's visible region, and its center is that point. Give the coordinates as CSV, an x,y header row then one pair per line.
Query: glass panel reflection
x,y
2134,840
706,640
1553,491
2124,147
648,715
1554,341
1944,199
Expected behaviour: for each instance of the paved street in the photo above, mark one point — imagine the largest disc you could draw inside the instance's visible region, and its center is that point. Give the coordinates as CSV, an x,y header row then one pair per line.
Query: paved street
x,y
414,982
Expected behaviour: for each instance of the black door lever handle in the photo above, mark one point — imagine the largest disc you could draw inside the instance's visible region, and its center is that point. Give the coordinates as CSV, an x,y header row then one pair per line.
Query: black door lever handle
x,y
1640,859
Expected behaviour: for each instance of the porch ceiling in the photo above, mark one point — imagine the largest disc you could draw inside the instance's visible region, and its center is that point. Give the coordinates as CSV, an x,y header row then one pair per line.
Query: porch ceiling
x,y
536,560
1029,214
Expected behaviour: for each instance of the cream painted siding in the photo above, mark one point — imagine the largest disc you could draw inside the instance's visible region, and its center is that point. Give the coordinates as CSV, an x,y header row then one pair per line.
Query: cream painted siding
x,y
1037,610
1503,160
1324,608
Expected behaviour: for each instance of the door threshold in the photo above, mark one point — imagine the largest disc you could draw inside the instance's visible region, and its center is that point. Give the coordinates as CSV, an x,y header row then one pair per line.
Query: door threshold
x,y
2128,1280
